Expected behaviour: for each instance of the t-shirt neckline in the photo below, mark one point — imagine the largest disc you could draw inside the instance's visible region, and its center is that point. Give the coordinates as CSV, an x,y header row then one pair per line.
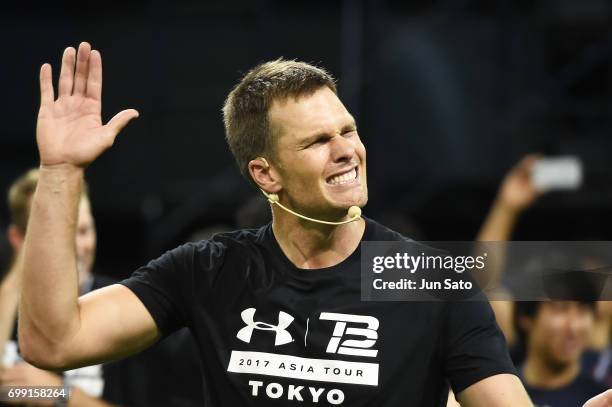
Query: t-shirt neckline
x,y
325,271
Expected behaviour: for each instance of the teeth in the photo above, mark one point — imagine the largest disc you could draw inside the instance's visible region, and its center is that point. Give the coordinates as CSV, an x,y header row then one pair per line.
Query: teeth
x,y
344,178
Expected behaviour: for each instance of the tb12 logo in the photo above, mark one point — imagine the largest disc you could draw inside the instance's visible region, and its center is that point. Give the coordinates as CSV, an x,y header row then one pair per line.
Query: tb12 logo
x,y
354,347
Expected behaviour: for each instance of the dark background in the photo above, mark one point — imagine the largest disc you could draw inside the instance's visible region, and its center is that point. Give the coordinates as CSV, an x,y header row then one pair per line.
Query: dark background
x,y
448,96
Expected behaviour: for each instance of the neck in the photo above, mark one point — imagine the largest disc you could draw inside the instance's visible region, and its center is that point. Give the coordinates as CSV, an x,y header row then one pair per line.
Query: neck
x,y
545,375
310,245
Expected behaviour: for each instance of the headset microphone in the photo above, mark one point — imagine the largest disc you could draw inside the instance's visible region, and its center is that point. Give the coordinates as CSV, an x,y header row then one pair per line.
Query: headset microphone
x,y
354,212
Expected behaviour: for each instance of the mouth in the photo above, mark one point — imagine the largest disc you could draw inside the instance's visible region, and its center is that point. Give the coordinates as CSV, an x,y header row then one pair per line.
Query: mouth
x,y
344,178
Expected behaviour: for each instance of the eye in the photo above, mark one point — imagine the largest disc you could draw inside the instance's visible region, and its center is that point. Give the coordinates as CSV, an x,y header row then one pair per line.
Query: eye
x,y
319,141
350,133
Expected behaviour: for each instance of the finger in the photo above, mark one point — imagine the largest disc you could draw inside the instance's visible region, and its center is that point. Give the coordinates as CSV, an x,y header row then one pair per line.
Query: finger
x,y
82,69
94,81
46,85
120,120
530,159
525,165
66,73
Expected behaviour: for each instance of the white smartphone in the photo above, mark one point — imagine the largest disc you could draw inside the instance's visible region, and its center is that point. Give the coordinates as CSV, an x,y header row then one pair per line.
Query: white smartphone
x,y
557,173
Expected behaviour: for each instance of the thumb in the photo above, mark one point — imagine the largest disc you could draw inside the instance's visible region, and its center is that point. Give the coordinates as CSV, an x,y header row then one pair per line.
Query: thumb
x,y
120,120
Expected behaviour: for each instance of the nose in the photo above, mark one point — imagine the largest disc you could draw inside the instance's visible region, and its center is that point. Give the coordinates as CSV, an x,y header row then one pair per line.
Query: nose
x,y
343,149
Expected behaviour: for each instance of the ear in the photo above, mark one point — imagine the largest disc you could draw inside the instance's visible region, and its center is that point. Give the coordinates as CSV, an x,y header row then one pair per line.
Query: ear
x,y
15,237
264,175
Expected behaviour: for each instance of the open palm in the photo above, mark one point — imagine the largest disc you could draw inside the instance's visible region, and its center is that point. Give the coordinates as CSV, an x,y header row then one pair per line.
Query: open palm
x,y
70,130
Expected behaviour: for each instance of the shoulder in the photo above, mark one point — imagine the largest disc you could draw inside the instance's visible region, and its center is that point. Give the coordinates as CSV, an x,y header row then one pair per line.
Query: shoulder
x,y
216,248
378,232
223,241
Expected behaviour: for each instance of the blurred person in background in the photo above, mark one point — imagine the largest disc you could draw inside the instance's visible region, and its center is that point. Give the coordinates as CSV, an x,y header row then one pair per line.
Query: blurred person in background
x,y
556,334
165,375
87,383
516,194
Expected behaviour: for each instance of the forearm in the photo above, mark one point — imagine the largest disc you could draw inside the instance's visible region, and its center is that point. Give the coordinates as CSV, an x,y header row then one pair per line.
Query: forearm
x,y
48,306
497,227
499,223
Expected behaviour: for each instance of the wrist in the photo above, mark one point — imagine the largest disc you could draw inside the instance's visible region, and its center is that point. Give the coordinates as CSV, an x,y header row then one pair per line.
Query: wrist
x,y
507,208
61,168
61,177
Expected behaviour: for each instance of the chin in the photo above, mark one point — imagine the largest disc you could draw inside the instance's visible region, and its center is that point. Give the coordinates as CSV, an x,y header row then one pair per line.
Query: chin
x,y
360,201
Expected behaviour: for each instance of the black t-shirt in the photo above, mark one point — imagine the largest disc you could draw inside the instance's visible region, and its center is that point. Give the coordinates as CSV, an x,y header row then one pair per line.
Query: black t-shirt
x,y
574,394
272,334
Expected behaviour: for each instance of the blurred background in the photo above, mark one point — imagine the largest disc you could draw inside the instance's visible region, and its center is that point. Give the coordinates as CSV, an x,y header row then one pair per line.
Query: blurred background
x,y
448,96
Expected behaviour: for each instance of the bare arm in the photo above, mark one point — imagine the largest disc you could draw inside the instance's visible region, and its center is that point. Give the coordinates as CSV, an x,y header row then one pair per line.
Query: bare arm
x,y
56,329
516,193
502,390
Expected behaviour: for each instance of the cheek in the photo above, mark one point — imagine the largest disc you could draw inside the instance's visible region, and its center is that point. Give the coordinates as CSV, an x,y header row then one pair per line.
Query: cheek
x,y
604,309
550,327
360,148
308,170
585,325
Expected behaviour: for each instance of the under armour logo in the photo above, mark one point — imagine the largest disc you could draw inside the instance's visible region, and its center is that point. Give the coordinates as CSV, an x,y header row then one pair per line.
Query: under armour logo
x,y
282,336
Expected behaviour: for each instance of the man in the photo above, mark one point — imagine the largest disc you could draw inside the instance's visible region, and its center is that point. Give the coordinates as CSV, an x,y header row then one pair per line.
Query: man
x,y
88,382
276,312
556,334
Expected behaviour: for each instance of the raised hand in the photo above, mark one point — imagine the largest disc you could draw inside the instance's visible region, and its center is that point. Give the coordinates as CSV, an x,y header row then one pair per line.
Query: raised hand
x,y
69,130
517,191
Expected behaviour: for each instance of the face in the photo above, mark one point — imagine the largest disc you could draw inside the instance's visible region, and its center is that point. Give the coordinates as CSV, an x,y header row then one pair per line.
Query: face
x,y
560,331
319,157
85,239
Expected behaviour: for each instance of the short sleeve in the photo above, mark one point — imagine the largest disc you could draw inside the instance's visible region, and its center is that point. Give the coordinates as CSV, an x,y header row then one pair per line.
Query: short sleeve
x,y
474,346
165,285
